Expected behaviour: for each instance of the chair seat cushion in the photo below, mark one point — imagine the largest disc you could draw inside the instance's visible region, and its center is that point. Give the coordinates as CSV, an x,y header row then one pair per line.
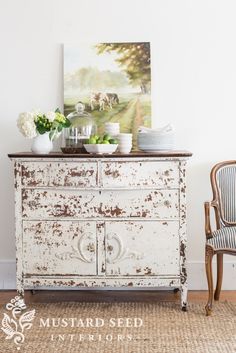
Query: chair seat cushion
x,y
224,238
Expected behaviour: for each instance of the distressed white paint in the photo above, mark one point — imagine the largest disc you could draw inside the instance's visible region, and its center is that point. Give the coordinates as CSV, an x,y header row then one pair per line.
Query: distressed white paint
x,y
196,276
137,248
52,203
125,227
145,174
63,248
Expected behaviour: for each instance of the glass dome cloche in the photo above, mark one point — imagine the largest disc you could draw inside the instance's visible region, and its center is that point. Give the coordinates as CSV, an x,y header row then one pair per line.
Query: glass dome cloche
x,y
82,127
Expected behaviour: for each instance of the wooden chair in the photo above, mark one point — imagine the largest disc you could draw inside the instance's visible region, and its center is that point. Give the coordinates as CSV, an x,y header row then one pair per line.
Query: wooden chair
x,y
223,239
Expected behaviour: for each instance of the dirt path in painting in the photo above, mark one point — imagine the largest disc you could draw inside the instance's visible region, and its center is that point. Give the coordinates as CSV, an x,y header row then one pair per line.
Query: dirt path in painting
x,y
138,121
126,116
130,118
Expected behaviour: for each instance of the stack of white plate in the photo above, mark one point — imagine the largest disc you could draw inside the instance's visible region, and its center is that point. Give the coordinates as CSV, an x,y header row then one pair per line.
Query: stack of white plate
x,y
156,140
125,143
112,129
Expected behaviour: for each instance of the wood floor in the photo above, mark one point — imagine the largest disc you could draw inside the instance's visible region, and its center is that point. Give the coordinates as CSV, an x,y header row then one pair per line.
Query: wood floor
x,y
45,296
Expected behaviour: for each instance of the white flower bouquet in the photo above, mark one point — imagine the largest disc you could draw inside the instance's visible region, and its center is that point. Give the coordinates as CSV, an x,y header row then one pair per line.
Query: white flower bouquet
x,y
31,124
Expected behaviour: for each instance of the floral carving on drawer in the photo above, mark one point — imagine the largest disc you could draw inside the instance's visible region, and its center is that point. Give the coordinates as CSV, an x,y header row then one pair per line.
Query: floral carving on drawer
x,y
121,252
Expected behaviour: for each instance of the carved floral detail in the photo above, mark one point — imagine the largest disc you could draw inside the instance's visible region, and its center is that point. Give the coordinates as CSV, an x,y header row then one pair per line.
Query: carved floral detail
x,y
77,251
209,252
122,253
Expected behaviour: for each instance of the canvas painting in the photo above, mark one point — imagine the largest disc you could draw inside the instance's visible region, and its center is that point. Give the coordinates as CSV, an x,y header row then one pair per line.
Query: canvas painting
x,y
112,80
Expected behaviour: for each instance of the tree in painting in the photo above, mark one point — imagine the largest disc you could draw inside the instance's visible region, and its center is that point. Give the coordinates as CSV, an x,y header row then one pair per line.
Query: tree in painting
x,y
135,59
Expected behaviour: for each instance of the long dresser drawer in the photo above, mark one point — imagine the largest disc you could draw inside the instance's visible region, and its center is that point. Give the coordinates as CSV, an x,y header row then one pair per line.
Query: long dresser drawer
x,y
140,174
48,203
71,174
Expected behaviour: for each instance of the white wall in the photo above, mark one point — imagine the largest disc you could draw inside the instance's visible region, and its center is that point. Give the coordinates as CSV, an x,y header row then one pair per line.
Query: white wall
x,y
194,86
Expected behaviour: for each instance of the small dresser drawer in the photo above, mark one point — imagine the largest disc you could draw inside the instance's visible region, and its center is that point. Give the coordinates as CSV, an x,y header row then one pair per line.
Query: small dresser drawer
x,y
48,203
71,174
65,248
141,173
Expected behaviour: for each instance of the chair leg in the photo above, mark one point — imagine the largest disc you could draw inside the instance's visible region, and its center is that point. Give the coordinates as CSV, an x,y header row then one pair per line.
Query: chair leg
x,y
219,276
208,263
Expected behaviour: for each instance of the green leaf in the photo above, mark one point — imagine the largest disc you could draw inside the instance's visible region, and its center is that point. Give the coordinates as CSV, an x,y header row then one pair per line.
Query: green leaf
x,y
41,129
67,123
57,111
55,124
51,134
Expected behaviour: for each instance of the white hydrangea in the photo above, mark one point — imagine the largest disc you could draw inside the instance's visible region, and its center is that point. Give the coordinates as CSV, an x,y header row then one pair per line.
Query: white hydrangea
x,y
26,124
50,116
36,112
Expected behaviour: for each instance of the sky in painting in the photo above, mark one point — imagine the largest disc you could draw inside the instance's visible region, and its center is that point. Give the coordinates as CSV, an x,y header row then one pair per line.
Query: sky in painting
x,y
85,55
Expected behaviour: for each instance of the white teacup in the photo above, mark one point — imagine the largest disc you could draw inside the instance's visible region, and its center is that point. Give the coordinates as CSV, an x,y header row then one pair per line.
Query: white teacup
x,y
125,149
124,137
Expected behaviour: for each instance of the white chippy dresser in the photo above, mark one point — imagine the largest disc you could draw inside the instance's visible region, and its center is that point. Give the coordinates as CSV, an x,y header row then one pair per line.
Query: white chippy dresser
x,y
89,221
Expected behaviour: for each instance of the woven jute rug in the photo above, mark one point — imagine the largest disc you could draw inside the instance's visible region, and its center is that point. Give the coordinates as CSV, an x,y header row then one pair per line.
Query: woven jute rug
x,y
152,327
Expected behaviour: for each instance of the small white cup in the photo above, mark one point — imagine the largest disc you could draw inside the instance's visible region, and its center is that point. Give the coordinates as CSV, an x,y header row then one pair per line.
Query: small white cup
x,y
125,136
125,150
112,124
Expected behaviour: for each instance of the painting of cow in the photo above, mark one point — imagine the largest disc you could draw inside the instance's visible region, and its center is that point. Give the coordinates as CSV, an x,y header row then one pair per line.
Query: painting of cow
x,y
113,80
102,100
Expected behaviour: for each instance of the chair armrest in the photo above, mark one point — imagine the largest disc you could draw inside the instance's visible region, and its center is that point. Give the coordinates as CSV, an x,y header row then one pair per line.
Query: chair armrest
x,y
207,206
208,230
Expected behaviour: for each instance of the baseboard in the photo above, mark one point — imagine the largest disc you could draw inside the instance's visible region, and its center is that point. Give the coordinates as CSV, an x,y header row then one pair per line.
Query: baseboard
x,y
7,274
196,275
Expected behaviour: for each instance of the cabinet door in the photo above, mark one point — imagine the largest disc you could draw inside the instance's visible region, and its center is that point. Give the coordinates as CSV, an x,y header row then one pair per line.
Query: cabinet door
x,y
65,248
142,248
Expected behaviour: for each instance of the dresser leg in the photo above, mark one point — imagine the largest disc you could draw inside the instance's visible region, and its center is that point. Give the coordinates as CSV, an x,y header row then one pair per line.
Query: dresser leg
x,y
184,295
20,291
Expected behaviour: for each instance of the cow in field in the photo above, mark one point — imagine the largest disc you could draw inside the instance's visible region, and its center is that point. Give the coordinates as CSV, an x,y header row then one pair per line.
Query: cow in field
x,y
94,100
113,98
99,99
103,100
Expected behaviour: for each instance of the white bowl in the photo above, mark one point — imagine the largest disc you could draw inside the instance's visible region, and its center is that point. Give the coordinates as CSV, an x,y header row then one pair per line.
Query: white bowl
x,y
125,144
100,148
107,128
125,150
123,141
124,134
112,125
111,132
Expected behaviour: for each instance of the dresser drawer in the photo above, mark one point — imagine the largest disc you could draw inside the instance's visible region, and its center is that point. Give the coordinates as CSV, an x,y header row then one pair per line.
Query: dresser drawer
x,y
137,248
72,174
141,173
48,203
65,248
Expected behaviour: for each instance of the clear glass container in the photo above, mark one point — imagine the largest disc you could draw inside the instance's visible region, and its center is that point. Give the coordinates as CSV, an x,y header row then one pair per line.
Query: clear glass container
x,y
82,127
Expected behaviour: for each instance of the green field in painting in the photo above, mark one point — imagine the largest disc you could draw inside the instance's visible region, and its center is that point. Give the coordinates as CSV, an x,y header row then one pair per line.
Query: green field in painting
x,y
134,110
